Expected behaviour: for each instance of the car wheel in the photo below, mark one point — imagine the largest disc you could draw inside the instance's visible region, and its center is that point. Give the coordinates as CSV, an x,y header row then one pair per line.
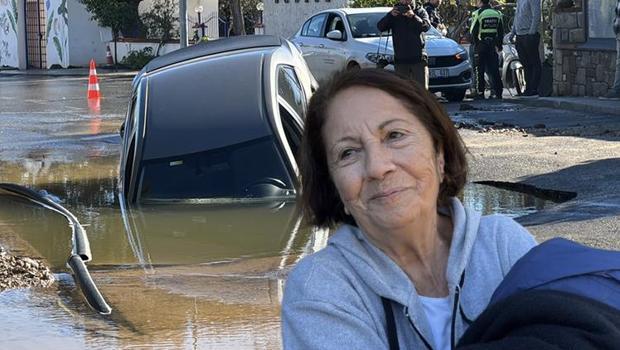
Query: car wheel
x,y
455,96
353,66
518,80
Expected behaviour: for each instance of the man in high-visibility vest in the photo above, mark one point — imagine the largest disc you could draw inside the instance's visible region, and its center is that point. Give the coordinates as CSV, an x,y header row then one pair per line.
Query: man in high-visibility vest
x,y
487,33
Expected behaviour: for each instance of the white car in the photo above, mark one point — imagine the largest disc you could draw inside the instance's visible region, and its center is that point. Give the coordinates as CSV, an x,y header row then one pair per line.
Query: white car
x,y
348,38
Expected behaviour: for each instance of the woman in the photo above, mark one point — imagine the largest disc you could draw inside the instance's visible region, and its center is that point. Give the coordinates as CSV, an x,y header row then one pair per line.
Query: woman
x,y
381,159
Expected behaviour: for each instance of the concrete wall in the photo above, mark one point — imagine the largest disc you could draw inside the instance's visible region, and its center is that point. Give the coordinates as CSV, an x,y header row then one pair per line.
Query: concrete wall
x,y
579,67
286,17
86,38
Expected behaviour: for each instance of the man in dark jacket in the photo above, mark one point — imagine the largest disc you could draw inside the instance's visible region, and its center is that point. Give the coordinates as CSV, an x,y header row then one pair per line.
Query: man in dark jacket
x,y
614,93
432,8
408,21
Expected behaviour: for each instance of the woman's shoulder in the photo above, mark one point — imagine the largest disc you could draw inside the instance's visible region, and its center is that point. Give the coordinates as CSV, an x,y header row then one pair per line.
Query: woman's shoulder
x,y
501,227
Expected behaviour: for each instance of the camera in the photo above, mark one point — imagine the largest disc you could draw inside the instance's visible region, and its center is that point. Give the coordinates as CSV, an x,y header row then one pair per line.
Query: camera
x,y
402,9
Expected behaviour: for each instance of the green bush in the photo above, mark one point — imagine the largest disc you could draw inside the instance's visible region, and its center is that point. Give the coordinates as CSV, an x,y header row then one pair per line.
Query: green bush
x,y
138,58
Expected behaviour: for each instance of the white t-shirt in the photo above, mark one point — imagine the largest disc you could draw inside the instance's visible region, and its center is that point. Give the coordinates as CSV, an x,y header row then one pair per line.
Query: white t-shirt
x,y
439,315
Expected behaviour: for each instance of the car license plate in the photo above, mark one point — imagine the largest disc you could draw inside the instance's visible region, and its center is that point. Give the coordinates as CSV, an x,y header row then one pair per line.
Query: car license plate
x,y
439,73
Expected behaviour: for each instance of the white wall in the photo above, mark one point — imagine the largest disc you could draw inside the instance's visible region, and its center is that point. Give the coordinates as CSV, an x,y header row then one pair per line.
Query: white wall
x,y
57,33
9,29
284,19
123,48
85,36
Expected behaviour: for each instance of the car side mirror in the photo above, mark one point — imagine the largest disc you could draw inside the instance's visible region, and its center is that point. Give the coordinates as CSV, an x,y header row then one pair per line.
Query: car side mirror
x,y
334,35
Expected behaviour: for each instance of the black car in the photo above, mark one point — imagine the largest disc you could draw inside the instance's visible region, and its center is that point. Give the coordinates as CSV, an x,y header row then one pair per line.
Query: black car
x,y
218,121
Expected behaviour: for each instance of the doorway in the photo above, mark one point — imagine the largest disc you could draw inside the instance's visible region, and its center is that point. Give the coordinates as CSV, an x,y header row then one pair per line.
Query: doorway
x,y
35,34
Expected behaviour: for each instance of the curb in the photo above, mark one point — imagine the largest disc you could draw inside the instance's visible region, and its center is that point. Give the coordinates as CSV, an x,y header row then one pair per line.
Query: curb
x,y
557,103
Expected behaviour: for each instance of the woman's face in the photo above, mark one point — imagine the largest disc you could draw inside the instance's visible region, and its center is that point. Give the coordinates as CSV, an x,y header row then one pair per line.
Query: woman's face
x,y
381,159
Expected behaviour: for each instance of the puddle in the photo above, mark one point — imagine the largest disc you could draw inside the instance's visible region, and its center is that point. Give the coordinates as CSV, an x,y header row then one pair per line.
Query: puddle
x,y
193,276
492,200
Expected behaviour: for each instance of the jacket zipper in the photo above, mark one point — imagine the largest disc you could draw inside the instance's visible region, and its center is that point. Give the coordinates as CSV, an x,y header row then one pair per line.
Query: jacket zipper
x,y
426,344
457,294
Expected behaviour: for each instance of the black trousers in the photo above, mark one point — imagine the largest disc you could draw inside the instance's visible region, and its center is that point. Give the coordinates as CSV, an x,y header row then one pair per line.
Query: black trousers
x,y
527,48
488,61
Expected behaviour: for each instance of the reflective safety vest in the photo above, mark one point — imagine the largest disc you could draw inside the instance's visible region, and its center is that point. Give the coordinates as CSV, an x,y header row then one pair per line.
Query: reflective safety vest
x,y
490,20
474,18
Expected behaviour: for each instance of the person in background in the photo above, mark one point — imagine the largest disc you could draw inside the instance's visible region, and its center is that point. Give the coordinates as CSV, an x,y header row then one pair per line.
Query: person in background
x,y
432,8
614,93
487,35
381,164
525,28
408,21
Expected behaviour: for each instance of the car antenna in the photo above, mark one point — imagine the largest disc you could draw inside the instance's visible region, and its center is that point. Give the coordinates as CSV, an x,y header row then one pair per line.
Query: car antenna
x,y
80,251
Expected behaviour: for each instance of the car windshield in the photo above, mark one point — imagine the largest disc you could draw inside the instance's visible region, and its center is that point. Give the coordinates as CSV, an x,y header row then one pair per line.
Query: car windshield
x,y
243,171
364,25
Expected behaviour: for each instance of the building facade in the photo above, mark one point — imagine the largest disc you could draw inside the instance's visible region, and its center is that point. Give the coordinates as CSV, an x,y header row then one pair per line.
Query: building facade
x,y
43,34
584,47
285,17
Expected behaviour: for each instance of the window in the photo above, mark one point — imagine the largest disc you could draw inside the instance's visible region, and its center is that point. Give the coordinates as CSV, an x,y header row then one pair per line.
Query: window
x,y
316,26
336,23
290,90
243,170
292,131
304,29
601,18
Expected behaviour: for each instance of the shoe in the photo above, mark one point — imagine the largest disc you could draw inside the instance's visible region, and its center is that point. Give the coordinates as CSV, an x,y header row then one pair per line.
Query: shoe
x,y
478,97
610,96
495,97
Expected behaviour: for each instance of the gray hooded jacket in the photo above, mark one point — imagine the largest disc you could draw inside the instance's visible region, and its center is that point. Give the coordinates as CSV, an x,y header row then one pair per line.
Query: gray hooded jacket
x,y
332,298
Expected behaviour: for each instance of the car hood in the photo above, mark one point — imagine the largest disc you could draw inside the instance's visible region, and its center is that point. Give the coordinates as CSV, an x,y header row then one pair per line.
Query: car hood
x,y
435,46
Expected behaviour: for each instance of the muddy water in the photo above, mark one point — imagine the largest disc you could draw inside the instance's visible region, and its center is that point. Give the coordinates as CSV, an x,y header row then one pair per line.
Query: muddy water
x,y
184,277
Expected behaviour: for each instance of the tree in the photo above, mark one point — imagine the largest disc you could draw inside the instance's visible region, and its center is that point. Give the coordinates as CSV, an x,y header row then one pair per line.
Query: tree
x,y
236,11
120,15
251,15
160,21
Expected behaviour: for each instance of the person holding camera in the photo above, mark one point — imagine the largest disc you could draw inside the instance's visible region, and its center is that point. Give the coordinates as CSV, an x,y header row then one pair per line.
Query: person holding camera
x,y
408,21
487,34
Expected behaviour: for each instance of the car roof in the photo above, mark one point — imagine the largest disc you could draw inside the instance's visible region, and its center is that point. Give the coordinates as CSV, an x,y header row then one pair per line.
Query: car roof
x,y
212,48
351,11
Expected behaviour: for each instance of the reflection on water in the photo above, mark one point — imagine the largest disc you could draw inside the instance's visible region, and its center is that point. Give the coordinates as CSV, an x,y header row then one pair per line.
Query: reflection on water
x,y
182,276
491,200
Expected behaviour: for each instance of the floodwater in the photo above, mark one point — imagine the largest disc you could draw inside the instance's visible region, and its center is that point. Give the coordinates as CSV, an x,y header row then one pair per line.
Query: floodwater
x,y
189,277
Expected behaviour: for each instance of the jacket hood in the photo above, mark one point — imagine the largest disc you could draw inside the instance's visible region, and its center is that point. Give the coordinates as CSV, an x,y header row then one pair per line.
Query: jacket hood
x,y
385,277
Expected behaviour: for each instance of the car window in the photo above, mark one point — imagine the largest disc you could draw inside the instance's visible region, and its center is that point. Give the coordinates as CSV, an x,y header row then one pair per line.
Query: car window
x,y
304,29
243,170
364,25
292,130
335,23
316,25
290,89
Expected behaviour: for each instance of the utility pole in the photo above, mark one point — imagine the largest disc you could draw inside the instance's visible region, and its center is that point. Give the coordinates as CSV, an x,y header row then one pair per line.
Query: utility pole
x,y
183,22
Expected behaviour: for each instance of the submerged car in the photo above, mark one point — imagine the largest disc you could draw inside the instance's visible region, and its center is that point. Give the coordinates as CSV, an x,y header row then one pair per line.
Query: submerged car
x,y
348,38
217,121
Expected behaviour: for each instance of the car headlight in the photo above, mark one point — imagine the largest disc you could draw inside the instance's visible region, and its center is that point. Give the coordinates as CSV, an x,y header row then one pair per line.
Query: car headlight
x,y
462,56
383,58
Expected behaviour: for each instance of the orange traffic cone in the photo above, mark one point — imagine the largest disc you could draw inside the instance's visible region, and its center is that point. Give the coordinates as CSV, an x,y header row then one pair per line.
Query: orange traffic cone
x,y
93,82
108,56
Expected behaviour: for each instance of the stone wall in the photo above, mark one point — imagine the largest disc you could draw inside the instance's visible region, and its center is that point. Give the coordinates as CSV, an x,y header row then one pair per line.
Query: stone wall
x,y
578,71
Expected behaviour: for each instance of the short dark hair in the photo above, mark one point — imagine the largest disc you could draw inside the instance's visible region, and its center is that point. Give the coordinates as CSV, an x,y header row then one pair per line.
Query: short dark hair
x,y
485,2
319,198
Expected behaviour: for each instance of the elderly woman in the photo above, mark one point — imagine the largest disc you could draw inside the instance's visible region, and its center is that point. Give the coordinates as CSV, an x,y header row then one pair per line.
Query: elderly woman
x,y
408,265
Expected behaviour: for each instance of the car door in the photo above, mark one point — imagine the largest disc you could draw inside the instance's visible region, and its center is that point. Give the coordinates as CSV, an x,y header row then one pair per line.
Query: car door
x,y
334,54
311,43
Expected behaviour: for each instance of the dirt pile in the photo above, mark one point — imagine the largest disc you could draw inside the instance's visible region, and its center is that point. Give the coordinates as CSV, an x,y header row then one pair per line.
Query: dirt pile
x,y
22,272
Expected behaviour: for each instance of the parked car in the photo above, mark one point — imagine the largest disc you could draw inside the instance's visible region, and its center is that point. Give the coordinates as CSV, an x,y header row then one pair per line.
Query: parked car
x,y
217,121
348,38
